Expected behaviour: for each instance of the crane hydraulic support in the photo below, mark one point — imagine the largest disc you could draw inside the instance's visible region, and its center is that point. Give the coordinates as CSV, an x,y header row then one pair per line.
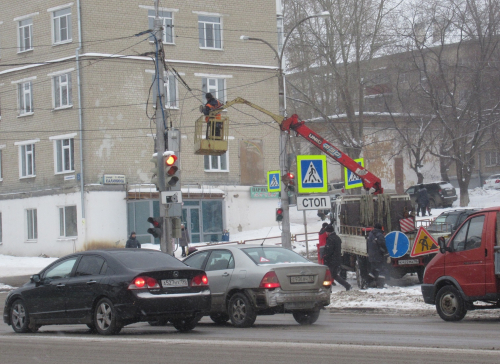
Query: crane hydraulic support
x,y
371,182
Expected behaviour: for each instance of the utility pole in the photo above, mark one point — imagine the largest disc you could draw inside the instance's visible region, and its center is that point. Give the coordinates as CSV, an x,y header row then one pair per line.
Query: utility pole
x,y
159,85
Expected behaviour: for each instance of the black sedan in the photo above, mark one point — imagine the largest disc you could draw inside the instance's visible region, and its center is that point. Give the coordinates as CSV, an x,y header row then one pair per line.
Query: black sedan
x,y
108,289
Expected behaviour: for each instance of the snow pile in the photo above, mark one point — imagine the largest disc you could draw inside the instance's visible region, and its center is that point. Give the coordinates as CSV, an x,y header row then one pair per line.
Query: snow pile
x,y
11,266
5,287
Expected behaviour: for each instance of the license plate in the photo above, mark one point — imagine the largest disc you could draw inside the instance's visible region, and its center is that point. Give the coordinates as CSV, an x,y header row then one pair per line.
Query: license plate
x,y
298,305
302,279
408,261
174,283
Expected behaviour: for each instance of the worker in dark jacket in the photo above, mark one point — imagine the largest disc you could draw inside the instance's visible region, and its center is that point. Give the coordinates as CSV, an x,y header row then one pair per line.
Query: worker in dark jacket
x,y
377,252
132,242
422,200
212,104
332,256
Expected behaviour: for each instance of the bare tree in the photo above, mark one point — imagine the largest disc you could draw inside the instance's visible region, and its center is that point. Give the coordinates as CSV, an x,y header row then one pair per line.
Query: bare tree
x,y
455,50
327,59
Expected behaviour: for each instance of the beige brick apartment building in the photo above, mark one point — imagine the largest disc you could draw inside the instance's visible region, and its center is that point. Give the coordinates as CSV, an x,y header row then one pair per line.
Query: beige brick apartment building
x,y
76,105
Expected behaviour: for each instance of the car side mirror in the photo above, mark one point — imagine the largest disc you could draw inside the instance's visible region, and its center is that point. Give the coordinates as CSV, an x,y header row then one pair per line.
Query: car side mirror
x,y
442,245
35,278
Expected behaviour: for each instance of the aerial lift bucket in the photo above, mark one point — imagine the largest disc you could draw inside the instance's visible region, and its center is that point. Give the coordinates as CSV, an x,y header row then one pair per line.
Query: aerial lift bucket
x,y
211,135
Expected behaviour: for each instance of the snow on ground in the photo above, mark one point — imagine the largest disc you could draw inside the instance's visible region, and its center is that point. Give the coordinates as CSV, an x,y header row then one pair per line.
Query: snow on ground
x,y
402,296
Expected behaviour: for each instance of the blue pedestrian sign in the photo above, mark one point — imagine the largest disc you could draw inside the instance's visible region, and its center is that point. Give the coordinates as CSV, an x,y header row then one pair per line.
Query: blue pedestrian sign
x,y
312,175
273,181
350,179
397,244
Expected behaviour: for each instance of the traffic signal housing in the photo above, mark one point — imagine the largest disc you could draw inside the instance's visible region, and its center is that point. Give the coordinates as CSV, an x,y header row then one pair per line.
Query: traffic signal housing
x,y
155,170
171,169
289,180
279,214
157,228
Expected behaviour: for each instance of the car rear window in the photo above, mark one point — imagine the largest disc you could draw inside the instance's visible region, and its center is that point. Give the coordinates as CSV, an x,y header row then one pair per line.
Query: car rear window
x,y
273,255
147,259
446,185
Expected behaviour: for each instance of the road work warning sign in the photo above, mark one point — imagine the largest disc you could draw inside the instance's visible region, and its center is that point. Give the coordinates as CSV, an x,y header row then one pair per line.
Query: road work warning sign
x,y
424,244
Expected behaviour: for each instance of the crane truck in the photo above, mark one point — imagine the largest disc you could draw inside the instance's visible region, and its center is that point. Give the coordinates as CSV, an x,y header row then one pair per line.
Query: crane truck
x,y
354,215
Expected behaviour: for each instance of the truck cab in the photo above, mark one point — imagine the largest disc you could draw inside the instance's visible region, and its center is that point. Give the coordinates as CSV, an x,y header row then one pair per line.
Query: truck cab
x,y
467,268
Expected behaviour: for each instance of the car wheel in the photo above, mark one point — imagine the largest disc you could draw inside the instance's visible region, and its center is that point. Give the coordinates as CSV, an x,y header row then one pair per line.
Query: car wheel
x,y
432,204
450,305
105,320
241,311
19,317
360,274
186,324
219,318
306,317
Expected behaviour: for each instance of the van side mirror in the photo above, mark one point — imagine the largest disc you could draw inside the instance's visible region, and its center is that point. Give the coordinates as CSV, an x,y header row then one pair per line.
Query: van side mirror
x,y
442,245
35,278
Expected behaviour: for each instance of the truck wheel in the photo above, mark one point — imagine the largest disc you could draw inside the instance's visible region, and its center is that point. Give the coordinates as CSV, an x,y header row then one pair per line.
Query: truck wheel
x,y
450,305
360,274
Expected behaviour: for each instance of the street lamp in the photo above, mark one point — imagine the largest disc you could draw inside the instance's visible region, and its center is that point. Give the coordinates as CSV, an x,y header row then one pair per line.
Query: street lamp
x,y
285,230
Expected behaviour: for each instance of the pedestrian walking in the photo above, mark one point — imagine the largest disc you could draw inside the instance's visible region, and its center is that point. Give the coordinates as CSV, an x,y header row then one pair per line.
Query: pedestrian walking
x,y
377,254
422,200
132,242
184,240
332,256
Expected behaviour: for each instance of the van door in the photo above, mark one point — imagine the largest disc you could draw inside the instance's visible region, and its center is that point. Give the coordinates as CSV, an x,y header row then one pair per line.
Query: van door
x,y
467,261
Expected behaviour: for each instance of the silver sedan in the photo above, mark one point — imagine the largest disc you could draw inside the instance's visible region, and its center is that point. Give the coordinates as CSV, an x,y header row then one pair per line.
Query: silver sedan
x,y
250,280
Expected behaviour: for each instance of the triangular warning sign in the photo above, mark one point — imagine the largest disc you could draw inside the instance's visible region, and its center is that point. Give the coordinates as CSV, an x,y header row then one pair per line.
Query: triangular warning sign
x,y
312,175
274,182
424,244
264,260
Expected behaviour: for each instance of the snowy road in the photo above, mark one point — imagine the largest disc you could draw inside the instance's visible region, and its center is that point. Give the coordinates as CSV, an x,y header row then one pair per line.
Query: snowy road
x,y
336,338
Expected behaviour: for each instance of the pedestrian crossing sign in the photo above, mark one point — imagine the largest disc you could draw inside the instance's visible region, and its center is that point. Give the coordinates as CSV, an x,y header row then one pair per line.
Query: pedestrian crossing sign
x,y
312,175
351,180
273,181
424,244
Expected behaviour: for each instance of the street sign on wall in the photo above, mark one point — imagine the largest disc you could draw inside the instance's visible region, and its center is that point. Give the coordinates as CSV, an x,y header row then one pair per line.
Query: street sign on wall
x,y
312,174
351,180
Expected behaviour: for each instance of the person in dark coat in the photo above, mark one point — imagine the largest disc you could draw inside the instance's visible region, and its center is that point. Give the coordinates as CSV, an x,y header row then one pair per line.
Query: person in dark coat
x,y
422,200
184,240
332,256
132,242
377,252
212,104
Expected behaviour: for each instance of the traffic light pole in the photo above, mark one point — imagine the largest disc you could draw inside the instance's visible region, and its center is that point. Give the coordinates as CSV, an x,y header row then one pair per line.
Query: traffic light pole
x,y
159,85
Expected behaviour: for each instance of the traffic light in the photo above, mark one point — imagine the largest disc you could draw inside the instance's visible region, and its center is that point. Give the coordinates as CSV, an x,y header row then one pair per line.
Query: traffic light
x,y
157,223
155,180
289,180
279,214
176,227
171,168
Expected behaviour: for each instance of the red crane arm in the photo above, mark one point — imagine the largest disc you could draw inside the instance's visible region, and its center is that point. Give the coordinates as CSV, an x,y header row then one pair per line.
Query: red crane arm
x,y
370,181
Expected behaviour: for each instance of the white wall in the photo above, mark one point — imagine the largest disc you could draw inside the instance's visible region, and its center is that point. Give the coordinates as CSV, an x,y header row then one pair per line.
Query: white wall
x,y
245,213
106,223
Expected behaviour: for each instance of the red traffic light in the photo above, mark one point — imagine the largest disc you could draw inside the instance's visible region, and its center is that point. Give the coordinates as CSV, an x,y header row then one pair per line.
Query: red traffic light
x,y
279,211
170,160
279,214
290,175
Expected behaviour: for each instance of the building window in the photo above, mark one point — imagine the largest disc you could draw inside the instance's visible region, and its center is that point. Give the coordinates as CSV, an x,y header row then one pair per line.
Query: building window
x,y
210,32
1,228
167,24
25,98
216,163
216,86
67,221
25,35
171,97
32,224
27,160
1,175
492,158
65,155
280,33
62,91
62,25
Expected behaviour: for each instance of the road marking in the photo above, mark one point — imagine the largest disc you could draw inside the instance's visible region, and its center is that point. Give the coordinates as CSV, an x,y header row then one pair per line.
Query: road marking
x,y
287,344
